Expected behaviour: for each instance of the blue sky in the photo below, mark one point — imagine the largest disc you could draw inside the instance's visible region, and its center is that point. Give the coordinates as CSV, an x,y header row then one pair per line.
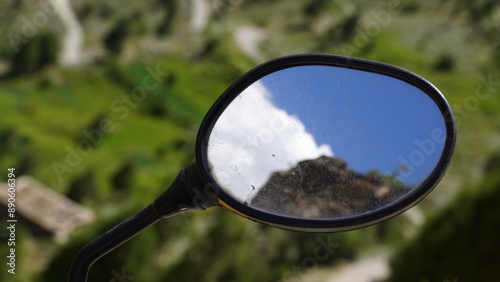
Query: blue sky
x,y
369,120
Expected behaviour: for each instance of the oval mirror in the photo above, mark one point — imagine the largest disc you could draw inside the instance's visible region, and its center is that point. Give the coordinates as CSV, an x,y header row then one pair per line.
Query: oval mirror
x,y
315,143
337,144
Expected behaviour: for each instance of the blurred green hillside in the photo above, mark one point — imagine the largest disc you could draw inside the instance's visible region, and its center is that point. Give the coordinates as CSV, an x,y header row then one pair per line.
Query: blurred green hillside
x,y
54,96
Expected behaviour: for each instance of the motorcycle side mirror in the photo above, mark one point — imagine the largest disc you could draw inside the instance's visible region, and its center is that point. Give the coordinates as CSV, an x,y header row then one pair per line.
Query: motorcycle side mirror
x,y
312,143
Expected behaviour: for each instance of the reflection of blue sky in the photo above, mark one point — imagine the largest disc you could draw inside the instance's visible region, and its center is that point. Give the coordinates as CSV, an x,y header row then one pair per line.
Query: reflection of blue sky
x,y
369,120
253,139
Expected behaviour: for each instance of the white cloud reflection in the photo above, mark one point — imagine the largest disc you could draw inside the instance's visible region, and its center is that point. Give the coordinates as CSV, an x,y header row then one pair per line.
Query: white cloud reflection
x,y
253,138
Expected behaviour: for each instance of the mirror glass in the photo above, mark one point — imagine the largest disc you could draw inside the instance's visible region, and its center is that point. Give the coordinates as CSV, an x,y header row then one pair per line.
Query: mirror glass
x,y
325,142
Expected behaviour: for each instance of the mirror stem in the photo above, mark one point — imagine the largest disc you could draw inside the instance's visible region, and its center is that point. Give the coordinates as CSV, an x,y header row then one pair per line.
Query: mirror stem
x,y
188,192
109,241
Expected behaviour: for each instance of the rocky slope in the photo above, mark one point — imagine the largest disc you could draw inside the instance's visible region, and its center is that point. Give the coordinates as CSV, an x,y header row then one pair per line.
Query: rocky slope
x,y
326,188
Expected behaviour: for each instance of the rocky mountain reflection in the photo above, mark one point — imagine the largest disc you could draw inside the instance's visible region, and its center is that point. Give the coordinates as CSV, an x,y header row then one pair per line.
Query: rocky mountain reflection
x,y
326,188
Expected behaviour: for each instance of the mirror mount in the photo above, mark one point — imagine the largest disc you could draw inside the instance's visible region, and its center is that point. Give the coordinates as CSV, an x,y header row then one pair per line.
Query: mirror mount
x,y
188,192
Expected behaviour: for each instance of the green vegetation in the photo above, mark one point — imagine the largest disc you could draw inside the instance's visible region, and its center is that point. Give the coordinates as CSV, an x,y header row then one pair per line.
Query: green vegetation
x,y
48,112
460,235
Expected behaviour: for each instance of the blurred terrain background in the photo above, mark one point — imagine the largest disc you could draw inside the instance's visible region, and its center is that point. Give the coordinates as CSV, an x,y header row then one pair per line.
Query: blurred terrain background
x,y
66,66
